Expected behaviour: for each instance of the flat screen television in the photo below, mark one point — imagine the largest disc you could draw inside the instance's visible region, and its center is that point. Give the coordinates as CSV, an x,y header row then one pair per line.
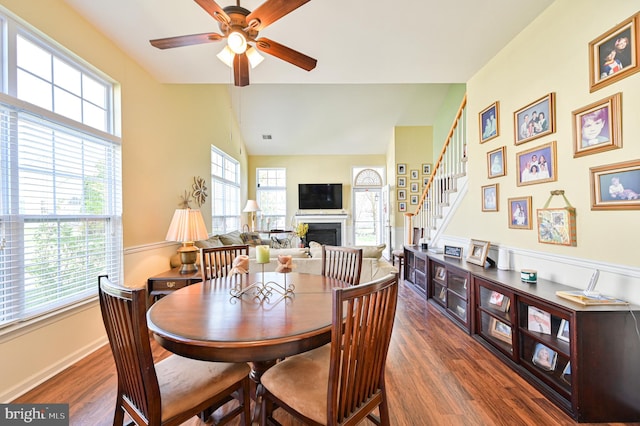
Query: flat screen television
x,y
319,196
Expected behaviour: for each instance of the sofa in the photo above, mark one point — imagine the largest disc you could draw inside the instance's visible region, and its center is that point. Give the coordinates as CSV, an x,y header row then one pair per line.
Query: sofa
x,y
306,259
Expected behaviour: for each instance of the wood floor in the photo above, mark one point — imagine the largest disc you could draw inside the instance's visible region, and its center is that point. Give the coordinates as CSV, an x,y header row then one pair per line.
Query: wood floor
x,y
436,375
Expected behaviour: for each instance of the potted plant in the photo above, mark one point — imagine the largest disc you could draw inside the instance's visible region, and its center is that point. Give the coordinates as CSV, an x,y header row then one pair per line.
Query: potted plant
x,y
300,231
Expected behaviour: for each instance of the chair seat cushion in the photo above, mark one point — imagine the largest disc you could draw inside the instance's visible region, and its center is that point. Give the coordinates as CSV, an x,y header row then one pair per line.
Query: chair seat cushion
x,y
301,380
186,382
398,253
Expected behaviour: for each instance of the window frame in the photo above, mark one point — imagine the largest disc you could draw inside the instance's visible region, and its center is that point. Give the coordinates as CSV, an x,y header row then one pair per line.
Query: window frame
x,y
267,218
225,192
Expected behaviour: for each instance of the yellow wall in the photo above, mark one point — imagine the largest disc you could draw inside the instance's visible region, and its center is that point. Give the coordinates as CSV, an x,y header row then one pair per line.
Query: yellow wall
x,y
413,147
166,136
551,55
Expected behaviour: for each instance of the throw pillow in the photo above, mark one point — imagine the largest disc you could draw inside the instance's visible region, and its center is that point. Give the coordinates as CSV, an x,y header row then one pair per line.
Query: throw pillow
x,y
231,238
315,249
374,252
252,239
213,241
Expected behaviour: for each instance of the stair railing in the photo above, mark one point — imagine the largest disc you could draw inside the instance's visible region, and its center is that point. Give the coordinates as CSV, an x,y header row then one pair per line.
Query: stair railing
x,y
450,165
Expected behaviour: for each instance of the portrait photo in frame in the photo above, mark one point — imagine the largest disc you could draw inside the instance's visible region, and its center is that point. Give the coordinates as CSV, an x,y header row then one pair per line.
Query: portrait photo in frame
x,y
616,186
490,198
414,200
496,165
500,330
519,212
597,127
402,182
402,206
478,251
537,165
489,122
415,187
402,194
401,169
414,174
426,169
535,120
614,54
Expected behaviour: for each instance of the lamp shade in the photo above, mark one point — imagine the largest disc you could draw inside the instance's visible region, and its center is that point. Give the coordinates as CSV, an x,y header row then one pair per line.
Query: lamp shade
x,y
187,225
252,206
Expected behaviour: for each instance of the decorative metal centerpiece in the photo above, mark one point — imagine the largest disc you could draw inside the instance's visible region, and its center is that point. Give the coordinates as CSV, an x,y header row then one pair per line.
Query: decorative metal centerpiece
x,y
262,289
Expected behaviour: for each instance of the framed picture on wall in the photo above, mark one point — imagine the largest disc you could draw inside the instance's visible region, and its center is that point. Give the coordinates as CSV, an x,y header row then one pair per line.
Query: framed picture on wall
x,y
402,181
597,127
616,186
535,120
614,54
402,206
488,120
401,169
496,165
414,200
402,194
426,169
519,213
490,198
537,165
415,187
415,174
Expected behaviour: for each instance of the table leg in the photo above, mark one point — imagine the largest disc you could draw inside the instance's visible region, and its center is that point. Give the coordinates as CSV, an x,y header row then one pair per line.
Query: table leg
x,y
257,370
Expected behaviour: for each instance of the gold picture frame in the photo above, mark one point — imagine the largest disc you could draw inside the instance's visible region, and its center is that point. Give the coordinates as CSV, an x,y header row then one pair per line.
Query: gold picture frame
x,y
535,120
520,213
527,174
605,67
616,186
500,330
489,122
478,251
597,127
496,163
490,200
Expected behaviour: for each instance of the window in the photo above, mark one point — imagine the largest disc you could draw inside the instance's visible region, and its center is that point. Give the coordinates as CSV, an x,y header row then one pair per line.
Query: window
x,y
272,197
225,192
60,179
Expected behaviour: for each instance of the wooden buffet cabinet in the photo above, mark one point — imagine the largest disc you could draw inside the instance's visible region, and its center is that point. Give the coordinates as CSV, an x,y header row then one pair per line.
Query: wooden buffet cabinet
x,y
585,359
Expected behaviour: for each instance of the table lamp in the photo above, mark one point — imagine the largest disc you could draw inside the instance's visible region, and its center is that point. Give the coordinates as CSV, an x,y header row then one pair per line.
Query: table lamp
x,y
186,227
251,208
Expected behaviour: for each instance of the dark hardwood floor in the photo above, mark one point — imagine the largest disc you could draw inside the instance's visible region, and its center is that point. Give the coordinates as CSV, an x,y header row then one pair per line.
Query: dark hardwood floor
x,y
436,375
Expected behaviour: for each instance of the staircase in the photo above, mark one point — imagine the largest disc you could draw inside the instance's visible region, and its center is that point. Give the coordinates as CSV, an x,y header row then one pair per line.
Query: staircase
x,y
446,186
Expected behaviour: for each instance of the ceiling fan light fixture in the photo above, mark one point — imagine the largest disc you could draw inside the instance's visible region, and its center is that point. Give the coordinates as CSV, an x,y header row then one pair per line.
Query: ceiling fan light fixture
x,y
226,56
254,57
237,42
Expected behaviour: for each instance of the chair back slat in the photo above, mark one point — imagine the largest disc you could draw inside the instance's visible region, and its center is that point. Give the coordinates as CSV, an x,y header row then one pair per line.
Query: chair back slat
x,y
124,317
342,263
216,262
363,319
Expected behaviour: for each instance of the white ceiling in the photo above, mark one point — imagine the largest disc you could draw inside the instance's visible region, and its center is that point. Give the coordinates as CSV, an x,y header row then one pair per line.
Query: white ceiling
x,y
381,64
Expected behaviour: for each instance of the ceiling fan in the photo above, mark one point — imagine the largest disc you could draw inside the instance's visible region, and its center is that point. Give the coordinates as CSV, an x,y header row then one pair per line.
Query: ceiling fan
x,y
240,27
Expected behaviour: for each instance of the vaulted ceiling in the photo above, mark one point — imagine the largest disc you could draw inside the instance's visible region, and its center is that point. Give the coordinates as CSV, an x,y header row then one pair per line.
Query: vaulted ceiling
x,y
381,64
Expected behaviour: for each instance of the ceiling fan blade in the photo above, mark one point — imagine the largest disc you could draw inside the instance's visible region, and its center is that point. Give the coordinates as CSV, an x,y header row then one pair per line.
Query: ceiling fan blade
x,y
272,10
214,9
286,54
186,40
241,70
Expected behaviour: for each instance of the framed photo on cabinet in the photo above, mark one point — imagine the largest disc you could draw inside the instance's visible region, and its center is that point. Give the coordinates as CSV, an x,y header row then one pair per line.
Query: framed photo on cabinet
x,y
535,120
614,54
597,127
478,251
500,330
489,122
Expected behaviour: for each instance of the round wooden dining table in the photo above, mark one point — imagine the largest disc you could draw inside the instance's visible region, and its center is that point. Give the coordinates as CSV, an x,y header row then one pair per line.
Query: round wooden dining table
x,y
205,321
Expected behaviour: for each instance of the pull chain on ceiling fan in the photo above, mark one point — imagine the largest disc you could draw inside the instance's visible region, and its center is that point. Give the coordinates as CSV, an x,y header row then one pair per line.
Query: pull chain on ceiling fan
x,y
240,27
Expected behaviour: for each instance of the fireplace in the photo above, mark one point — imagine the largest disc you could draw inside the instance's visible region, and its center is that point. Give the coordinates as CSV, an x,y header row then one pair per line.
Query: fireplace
x,y
329,229
325,233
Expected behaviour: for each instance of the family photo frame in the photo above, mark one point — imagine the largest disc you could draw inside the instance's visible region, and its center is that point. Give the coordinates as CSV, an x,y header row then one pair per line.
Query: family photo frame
x,y
478,251
402,182
616,186
537,165
489,122
402,206
500,330
535,120
401,169
597,127
519,213
490,198
426,169
496,165
402,194
614,54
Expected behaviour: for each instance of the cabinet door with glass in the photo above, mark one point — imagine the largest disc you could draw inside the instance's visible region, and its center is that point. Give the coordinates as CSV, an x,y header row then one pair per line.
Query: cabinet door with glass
x,y
494,313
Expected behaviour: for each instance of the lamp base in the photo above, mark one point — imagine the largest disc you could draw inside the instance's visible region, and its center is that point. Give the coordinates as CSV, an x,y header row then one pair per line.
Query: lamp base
x,y
188,257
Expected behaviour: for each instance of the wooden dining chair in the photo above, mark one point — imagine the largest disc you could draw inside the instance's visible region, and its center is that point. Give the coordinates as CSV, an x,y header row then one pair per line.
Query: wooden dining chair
x,y
343,382
176,388
343,263
216,262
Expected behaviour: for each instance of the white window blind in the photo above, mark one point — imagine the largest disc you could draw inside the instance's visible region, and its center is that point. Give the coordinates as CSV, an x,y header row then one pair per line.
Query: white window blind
x,y
60,179
225,192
